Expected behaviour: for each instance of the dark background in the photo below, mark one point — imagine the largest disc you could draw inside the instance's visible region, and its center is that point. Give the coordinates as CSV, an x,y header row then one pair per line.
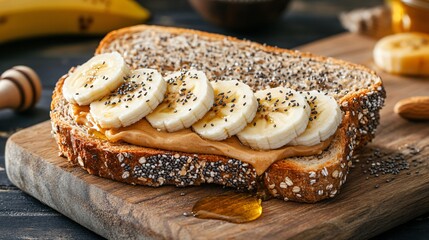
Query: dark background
x,y
22,216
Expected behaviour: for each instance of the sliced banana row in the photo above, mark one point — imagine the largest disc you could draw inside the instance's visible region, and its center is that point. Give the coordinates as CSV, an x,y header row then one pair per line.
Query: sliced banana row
x,y
264,120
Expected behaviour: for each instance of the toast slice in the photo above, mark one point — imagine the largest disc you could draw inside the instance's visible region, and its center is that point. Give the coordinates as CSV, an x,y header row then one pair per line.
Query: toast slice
x,y
358,90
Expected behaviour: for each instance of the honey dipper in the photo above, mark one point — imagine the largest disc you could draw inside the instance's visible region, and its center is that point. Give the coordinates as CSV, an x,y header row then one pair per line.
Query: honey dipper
x,y
20,88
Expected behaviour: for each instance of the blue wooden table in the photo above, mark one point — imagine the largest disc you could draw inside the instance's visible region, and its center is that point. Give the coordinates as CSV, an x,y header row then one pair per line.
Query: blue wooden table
x,y
23,217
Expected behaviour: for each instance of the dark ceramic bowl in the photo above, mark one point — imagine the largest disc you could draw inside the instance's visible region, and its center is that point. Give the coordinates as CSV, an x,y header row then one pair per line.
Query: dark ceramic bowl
x,y
240,14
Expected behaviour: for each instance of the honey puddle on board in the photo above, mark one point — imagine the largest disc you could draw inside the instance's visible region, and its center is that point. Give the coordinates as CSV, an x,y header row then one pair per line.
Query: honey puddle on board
x,y
231,206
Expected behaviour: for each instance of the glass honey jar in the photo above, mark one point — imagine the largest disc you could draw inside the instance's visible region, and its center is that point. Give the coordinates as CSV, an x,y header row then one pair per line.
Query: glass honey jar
x,y
410,15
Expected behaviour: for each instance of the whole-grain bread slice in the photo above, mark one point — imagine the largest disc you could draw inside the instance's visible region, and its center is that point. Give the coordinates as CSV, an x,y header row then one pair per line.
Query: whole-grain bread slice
x,y
358,90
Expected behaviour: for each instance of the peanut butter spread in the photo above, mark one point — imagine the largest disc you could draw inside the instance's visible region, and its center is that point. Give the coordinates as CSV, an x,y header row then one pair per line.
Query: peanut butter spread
x,y
143,134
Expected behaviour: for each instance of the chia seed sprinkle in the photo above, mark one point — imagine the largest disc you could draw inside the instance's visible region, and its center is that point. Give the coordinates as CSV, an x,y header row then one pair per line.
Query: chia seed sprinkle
x,y
376,162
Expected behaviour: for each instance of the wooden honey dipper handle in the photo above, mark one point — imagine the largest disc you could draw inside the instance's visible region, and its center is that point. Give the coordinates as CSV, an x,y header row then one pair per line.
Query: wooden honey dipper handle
x,y
20,88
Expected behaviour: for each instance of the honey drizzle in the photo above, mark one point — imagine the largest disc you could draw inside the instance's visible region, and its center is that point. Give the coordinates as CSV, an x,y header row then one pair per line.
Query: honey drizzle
x,y
230,206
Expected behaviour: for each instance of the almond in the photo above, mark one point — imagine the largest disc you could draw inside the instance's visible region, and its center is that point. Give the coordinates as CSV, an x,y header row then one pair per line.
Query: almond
x,y
413,108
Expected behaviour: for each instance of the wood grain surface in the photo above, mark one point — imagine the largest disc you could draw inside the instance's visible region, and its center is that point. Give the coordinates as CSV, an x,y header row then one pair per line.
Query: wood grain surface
x,y
366,206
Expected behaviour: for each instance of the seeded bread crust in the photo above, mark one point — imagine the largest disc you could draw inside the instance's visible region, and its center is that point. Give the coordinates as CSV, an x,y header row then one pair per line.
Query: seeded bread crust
x,y
313,178
301,179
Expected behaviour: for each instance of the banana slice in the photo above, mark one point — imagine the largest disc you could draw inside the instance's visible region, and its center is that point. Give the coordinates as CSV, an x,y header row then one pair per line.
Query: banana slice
x,y
189,97
324,119
234,106
403,53
96,78
282,115
134,99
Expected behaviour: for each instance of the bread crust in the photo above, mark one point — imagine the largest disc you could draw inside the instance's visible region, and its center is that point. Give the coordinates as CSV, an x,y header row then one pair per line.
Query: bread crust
x,y
295,180
301,179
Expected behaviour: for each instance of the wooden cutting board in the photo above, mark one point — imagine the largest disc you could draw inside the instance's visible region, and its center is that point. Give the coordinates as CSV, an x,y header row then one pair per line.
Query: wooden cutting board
x,y
364,208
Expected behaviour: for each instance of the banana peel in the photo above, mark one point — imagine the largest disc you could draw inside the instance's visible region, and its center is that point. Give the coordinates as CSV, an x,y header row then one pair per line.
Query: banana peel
x,y
33,18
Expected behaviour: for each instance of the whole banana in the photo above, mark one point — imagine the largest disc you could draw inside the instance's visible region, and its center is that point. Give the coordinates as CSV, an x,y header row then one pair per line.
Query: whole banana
x,y
28,18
